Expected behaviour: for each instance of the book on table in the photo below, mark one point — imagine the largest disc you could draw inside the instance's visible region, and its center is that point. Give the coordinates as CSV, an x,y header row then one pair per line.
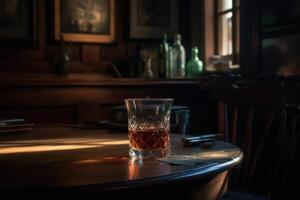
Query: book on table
x,y
15,126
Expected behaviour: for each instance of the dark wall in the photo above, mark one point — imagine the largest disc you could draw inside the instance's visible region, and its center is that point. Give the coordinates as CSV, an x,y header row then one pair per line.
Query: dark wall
x,y
270,37
40,59
30,89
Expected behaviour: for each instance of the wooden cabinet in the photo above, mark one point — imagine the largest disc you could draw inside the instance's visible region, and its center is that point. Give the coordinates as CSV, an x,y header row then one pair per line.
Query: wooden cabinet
x,y
76,98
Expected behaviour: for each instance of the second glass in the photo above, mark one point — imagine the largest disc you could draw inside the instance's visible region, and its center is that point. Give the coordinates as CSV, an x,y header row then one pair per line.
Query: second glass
x,y
149,127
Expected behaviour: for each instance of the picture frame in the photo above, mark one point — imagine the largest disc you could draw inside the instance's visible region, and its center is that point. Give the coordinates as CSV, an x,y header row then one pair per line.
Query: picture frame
x,y
84,21
18,23
150,19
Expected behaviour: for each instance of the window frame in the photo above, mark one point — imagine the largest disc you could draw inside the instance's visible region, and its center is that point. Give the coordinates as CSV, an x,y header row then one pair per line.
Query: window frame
x,y
235,41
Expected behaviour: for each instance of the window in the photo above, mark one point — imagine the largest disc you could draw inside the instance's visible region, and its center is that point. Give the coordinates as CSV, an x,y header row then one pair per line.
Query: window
x,y
227,14
221,34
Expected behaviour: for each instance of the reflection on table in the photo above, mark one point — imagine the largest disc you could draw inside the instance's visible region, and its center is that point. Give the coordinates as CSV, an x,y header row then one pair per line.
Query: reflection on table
x,y
56,158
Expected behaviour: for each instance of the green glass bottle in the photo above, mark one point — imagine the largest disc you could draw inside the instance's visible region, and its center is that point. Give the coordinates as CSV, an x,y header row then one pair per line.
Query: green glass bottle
x,y
163,58
194,67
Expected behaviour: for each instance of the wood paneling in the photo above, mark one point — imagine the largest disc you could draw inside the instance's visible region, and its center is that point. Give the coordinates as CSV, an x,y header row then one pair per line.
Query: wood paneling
x,y
77,100
30,88
41,114
90,54
41,59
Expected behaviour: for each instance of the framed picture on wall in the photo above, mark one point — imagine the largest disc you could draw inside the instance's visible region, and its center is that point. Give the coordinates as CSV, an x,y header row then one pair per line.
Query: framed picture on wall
x,y
18,22
90,21
150,19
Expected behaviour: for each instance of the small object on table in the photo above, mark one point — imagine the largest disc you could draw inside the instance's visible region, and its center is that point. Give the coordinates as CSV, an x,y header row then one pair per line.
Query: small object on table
x,y
204,140
149,127
179,119
15,126
4,122
208,144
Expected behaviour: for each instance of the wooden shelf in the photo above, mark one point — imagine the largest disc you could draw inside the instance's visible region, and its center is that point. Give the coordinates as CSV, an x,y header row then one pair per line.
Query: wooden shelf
x,y
75,98
90,80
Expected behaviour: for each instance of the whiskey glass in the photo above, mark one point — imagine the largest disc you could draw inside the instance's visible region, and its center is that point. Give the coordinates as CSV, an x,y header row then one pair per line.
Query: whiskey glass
x,y
149,127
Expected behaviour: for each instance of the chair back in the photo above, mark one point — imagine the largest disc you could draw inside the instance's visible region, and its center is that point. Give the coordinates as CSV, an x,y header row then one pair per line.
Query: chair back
x,y
262,117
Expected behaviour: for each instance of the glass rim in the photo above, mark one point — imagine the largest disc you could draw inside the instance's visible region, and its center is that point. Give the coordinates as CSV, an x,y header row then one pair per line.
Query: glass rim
x,y
150,99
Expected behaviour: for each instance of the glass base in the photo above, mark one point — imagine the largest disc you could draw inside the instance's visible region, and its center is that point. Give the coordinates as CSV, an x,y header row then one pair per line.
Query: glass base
x,y
144,154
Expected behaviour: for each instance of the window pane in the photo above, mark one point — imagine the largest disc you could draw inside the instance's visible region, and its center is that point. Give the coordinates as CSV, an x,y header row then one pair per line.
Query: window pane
x,y
225,34
238,32
224,5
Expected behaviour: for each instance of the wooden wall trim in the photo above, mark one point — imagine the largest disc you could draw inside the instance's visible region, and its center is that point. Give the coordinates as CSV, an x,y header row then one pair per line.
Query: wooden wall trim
x,y
70,102
102,95
77,80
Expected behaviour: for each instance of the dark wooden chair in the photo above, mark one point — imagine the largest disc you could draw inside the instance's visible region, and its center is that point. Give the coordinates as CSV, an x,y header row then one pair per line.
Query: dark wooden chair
x,y
262,117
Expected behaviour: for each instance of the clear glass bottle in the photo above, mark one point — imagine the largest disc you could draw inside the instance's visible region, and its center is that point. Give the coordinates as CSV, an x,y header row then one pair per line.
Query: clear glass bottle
x,y
147,55
177,59
148,74
163,59
194,67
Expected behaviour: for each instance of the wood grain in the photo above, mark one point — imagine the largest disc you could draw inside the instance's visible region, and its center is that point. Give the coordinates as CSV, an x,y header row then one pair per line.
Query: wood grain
x,y
71,99
54,157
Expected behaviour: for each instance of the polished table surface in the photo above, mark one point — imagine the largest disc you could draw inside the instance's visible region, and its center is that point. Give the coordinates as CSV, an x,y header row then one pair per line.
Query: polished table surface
x,y
58,157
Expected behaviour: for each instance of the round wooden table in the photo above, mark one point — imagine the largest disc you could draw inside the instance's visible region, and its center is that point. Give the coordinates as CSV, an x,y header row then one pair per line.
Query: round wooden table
x,y
55,159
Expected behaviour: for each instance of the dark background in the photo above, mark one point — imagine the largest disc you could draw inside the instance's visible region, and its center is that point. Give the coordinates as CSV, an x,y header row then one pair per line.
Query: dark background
x,y
157,13
270,37
30,86
17,27
123,52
